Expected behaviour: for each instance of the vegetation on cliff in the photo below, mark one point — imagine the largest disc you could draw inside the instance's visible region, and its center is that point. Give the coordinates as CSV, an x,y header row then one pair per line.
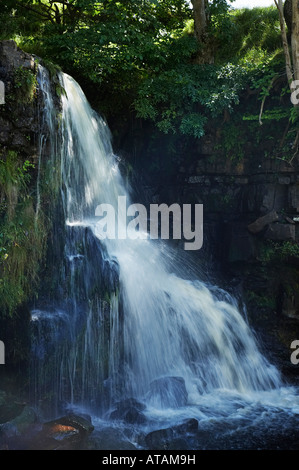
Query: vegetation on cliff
x,y
144,56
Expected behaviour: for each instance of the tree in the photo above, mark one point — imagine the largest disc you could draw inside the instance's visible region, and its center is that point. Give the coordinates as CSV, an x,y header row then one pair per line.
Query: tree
x,y
200,18
211,24
200,12
291,9
289,70
295,38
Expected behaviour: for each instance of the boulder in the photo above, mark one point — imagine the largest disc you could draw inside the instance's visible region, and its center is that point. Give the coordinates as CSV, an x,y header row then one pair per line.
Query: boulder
x,y
109,439
66,433
130,411
18,425
259,224
171,438
11,57
186,427
160,439
281,232
168,392
81,422
10,411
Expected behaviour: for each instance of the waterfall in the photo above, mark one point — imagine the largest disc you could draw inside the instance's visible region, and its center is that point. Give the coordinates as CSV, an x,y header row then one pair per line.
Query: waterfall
x,y
130,317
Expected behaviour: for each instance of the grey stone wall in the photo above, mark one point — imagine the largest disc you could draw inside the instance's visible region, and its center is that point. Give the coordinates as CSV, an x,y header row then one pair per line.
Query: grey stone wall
x,y
18,120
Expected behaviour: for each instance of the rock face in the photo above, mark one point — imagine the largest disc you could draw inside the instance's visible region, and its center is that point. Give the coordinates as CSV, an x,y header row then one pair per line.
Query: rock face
x,y
18,117
281,232
12,58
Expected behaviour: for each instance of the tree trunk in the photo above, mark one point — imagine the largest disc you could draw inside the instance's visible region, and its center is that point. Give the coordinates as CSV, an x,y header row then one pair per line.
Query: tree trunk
x,y
205,53
292,60
295,38
200,19
288,61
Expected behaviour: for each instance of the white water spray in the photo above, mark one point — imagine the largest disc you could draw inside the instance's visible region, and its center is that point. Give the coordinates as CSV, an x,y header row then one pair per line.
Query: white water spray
x,y
172,326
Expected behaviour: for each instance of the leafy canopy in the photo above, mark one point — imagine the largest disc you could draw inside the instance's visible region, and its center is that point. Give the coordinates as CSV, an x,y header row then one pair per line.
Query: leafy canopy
x,y
142,54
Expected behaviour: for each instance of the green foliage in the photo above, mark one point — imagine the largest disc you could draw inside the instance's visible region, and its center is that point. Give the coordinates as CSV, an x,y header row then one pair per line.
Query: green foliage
x,y
233,140
52,68
140,55
22,235
193,124
184,98
25,84
262,301
255,29
22,246
105,38
221,28
277,252
14,178
275,114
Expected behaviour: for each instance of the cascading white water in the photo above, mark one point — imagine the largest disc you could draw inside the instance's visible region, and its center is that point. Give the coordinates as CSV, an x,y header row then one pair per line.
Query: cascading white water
x,y
172,325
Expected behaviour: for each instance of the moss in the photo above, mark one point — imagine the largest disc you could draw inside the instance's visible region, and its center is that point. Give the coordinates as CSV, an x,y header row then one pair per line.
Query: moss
x,y
25,85
261,301
22,234
277,252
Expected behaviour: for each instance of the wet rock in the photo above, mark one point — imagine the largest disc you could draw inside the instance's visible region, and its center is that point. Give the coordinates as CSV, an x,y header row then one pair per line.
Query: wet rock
x,y
109,439
178,443
11,57
130,411
18,425
62,432
9,411
159,439
25,419
262,222
281,232
66,433
81,422
172,438
168,392
188,426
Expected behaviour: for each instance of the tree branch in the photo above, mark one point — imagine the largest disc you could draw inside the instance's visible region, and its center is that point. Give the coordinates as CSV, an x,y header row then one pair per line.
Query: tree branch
x,y
264,99
289,69
37,12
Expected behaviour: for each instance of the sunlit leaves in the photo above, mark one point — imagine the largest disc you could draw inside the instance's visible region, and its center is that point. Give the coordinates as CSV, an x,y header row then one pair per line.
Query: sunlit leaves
x,y
185,97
